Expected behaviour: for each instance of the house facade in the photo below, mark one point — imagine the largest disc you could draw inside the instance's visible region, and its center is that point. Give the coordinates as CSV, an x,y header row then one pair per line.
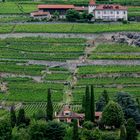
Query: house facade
x,y
107,12
66,115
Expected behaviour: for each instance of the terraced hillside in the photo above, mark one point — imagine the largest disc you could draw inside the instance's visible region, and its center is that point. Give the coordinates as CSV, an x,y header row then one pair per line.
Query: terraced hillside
x,y
31,65
113,77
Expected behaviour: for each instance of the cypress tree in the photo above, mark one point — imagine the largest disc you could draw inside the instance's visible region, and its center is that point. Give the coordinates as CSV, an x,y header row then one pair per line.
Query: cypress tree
x,y
138,103
87,105
131,129
92,104
105,96
49,106
123,132
21,117
83,103
12,116
75,130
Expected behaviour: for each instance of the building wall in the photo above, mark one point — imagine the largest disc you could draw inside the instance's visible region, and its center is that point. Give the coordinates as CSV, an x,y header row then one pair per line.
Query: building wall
x,y
111,14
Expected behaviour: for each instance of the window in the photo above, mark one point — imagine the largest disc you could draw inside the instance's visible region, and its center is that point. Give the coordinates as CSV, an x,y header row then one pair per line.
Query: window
x,y
111,12
117,12
104,12
98,12
124,12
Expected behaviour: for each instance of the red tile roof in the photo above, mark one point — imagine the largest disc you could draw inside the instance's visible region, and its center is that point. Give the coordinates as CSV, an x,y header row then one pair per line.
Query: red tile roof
x,y
81,8
98,114
55,6
92,2
111,7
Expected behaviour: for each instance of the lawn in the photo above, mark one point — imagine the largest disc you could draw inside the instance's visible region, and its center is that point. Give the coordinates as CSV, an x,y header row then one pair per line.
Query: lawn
x,y
70,28
17,8
76,28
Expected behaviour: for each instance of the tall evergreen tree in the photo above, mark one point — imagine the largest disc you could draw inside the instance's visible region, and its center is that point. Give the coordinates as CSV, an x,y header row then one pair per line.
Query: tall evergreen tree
x,y
105,96
21,120
131,129
123,134
75,130
87,105
49,106
103,101
138,104
92,104
13,116
83,103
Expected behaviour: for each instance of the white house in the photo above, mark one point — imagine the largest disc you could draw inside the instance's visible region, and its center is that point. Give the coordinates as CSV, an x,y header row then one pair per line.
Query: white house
x,y
104,12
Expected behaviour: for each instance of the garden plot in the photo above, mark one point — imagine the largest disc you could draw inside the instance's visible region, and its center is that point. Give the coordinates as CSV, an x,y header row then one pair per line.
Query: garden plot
x,y
115,52
32,107
42,49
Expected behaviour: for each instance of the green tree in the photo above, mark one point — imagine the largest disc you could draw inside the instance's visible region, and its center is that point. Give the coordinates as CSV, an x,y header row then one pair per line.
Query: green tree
x,y
123,134
87,105
92,104
49,106
72,15
40,114
21,120
20,134
83,103
112,115
129,106
37,130
131,130
104,99
105,96
138,104
13,118
89,17
56,15
88,125
75,130
5,130
55,130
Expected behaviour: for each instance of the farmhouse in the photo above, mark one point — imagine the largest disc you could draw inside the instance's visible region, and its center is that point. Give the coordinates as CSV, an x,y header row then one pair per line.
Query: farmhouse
x,y
100,12
107,12
48,10
66,115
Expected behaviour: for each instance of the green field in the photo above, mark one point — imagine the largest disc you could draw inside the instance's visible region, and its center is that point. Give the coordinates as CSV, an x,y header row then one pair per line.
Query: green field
x,y
69,28
115,52
17,8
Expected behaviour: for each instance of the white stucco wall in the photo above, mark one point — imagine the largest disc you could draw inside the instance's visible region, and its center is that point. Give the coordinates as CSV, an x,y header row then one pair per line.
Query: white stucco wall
x,y
91,8
111,14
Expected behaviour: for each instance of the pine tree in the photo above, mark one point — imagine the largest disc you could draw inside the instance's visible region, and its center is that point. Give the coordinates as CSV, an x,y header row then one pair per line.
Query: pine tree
x,y
13,116
131,129
75,130
92,102
21,120
49,106
123,132
87,105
